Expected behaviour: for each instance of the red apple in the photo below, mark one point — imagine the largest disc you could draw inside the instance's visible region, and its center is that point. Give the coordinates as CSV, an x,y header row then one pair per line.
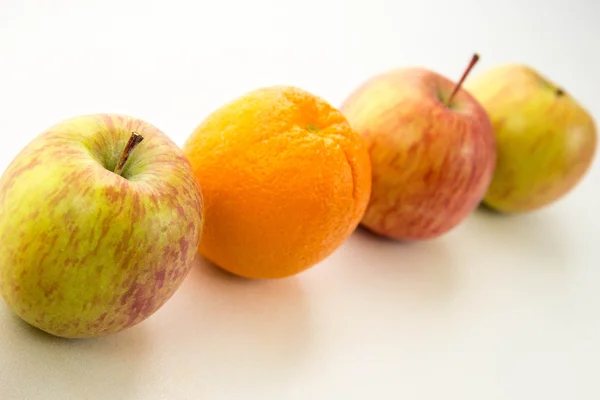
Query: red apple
x,y
432,150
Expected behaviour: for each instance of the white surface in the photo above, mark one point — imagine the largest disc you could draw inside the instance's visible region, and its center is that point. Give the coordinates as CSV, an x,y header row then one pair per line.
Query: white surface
x,y
501,308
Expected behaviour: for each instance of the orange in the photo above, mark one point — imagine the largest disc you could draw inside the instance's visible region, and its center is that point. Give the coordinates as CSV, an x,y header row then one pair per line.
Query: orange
x,y
285,181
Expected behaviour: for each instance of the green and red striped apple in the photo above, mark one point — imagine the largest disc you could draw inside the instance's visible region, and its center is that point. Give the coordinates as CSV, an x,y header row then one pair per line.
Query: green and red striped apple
x,y
98,226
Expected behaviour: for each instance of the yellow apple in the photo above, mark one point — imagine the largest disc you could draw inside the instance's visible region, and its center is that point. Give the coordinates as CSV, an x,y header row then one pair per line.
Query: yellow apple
x,y
546,140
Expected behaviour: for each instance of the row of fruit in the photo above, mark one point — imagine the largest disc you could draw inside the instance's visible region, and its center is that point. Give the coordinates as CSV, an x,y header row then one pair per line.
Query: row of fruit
x,y
102,216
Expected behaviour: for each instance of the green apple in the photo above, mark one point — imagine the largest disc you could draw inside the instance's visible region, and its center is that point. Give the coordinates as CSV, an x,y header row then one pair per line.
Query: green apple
x,y
546,140
100,220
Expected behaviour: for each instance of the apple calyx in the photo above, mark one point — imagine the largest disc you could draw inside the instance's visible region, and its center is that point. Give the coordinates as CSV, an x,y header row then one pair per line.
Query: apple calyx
x,y
132,143
472,63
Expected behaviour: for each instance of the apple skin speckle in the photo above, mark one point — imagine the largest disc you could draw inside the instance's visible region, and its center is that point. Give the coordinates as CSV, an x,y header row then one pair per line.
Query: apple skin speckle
x,y
87,252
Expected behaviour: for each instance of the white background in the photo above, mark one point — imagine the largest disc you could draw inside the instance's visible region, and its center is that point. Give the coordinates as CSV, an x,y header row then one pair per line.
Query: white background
x,y
500,308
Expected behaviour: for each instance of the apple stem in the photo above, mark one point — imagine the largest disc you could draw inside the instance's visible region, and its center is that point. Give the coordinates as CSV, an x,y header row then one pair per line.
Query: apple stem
x,y
134,140
472,63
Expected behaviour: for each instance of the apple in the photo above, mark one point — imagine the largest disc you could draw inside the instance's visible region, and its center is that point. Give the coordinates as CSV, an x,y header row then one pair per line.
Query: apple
x,y
432,150
100,220
546,140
